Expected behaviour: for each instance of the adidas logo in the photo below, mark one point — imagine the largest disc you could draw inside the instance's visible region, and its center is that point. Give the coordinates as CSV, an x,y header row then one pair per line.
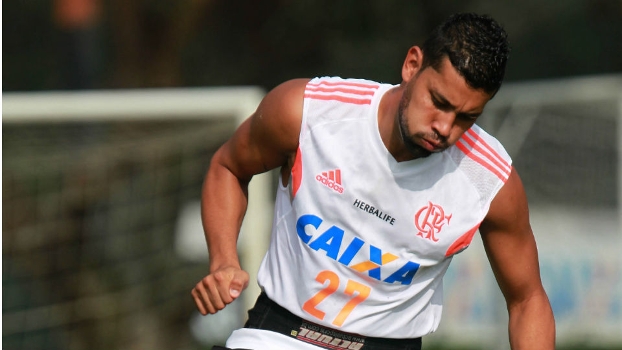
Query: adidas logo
x,y
331,179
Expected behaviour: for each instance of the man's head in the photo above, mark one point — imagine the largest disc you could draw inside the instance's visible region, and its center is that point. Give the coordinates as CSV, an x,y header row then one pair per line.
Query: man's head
x,y
476,46
448,81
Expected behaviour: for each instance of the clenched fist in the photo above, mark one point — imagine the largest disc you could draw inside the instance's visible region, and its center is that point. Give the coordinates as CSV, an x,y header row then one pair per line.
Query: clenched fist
x,y
219,289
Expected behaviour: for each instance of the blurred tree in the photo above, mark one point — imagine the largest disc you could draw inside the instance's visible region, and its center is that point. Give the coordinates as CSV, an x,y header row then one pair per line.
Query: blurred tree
x,y
149,43
148,38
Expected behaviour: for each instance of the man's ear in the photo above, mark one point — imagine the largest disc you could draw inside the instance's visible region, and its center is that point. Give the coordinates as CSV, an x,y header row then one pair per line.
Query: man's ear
x,y
412,63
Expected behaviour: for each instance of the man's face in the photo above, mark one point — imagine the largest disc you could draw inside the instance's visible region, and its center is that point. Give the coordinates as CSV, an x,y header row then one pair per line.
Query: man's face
x,y
437,107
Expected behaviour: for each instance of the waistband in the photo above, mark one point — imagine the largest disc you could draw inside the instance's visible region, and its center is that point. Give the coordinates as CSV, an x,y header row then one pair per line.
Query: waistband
x,y
268,315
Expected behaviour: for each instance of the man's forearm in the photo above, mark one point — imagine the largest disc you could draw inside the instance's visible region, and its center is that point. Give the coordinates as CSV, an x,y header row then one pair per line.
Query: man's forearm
x,y
532,325
223,204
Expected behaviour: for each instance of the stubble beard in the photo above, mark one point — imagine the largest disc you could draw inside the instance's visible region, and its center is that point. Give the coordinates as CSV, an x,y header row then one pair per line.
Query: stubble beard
x,y
408,140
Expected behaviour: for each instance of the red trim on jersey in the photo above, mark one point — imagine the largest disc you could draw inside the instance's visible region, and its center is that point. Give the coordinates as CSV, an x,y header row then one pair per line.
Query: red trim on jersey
x,y
490,150
297,172
469,152
463,242
344,82
484,154
352,100
339,90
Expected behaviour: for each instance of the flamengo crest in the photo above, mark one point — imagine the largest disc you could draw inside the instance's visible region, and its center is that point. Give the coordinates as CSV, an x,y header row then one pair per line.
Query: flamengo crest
x,y
429,220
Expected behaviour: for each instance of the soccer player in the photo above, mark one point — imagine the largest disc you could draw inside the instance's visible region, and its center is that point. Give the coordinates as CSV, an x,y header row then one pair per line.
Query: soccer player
x,y
380,186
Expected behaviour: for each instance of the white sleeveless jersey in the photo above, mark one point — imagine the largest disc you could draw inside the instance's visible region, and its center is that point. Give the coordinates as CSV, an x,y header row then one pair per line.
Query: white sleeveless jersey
x,y
361,242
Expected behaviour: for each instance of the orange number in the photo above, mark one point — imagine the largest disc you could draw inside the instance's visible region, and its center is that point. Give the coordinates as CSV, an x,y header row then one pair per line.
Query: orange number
x,y
358,291
333,283
362,294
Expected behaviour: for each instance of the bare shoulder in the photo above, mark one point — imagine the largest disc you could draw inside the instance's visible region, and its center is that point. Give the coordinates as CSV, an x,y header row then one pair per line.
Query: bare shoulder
x,y
269,137
286,97
279,116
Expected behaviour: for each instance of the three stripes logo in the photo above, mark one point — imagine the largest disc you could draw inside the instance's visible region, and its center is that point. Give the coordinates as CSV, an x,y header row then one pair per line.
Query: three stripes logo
x,y
331,179
346,91
476,148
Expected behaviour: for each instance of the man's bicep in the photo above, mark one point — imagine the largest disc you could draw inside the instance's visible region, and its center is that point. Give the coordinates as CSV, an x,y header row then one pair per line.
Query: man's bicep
x,y
509,242
269,136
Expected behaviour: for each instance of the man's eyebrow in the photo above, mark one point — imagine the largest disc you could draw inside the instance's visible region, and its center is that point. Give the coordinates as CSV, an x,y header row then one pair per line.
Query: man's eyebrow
x,y
442,99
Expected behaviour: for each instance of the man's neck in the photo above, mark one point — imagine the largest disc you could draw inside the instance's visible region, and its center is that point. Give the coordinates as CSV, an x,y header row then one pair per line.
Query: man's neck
x,y
388,125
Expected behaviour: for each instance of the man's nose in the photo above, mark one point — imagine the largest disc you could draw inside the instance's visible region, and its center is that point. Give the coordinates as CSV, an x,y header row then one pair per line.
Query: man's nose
x,y
443,123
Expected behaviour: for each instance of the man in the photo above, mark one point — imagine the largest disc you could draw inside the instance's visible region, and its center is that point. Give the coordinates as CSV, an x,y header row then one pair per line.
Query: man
x,y
380,186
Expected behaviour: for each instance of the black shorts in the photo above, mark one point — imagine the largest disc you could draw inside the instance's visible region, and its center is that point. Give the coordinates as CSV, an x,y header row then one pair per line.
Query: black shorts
x,y
268,315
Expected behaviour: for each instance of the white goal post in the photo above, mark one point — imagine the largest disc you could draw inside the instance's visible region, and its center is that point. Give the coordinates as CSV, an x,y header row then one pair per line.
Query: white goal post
x,y
143,104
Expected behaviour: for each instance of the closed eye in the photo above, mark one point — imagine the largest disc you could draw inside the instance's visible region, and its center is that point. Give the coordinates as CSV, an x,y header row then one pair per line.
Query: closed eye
x,y
468,116
441,104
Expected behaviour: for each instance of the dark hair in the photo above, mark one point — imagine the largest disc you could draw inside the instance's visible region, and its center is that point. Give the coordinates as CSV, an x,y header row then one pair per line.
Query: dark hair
x,y
476,46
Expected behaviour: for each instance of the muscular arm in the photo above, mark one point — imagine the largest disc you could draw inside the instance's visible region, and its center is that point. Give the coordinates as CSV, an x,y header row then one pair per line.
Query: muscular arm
x,y
511,249
266,140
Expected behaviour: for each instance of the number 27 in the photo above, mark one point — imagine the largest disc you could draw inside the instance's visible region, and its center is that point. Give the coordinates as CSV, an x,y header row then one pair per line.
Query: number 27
x,y
362,292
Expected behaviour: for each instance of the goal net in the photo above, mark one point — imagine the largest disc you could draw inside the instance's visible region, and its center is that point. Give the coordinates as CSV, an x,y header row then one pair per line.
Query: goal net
x,y
96,254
